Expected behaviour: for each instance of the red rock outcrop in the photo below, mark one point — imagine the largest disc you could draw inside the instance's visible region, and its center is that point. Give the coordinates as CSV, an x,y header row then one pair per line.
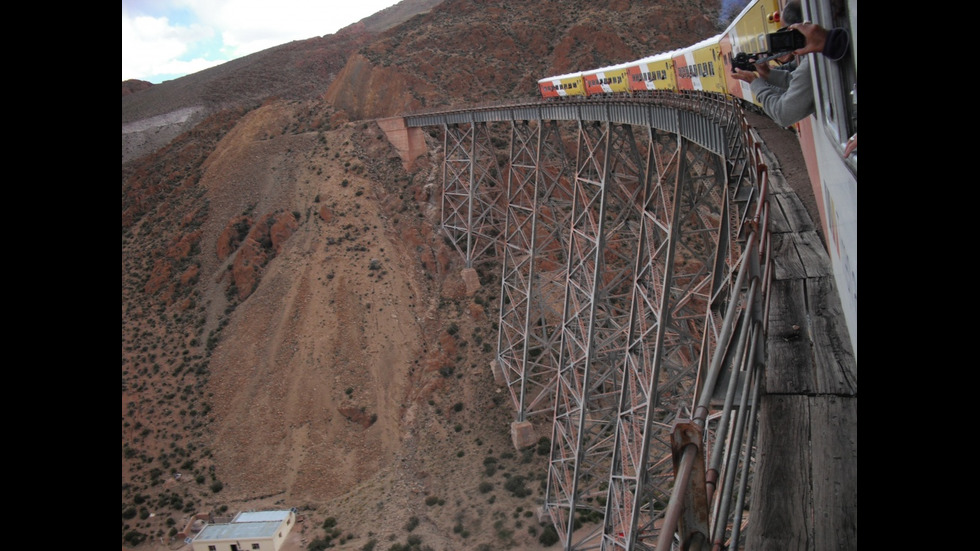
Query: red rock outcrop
x,y
366,91
262,243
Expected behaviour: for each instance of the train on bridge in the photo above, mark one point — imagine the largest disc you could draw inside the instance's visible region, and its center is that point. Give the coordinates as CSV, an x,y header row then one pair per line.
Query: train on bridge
x,y
707,67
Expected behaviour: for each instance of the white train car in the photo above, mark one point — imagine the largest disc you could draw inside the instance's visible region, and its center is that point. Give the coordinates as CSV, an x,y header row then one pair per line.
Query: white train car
x,y
824,139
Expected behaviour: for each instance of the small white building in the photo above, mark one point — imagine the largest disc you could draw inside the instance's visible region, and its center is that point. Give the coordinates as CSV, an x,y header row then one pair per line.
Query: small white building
x,y
248,531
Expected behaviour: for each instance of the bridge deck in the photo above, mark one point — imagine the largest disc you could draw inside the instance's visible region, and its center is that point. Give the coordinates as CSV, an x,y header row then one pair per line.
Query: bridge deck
x,y
805,494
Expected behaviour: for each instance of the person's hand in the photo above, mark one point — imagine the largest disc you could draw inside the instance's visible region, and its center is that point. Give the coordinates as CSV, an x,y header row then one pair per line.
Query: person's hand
x,y
763,70
745,76
852,145
816,37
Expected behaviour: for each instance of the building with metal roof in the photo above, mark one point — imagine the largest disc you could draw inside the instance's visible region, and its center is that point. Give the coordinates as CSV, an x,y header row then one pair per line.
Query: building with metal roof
x,y
248,531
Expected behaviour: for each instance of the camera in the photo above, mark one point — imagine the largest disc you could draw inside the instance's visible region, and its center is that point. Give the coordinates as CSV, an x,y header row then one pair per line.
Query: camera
x,y
781,42
785,41
744,61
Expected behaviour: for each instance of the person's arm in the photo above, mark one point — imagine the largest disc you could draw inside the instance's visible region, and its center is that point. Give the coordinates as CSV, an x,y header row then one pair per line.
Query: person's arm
x,y
779,77
787,106
852,145
836,44
832,43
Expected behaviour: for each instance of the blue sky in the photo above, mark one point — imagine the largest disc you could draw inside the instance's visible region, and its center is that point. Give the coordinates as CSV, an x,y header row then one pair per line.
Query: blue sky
x,y
167,39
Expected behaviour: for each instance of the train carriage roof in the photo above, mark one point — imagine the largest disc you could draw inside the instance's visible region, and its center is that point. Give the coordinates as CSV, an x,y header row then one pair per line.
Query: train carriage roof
x,y
609,68
560,77
714,40
748,7
662,56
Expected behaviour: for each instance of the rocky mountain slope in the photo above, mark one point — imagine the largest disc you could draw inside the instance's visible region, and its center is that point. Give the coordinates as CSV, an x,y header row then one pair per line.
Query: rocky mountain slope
x,y
295,331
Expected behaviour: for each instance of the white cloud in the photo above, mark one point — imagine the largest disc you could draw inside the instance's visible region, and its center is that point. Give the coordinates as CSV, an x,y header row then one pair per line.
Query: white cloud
x,y
167,39
153,46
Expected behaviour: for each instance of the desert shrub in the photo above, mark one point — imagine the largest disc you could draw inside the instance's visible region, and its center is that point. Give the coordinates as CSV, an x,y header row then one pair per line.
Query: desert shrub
x,y
549,536
515,485
544,445
489,466
134,537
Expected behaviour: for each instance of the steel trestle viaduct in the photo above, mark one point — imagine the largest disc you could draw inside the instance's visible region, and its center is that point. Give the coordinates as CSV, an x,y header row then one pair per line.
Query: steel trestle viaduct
x,y
636,266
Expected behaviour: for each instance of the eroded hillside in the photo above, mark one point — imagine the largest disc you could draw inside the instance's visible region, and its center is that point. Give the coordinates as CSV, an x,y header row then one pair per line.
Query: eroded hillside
x,y
296,334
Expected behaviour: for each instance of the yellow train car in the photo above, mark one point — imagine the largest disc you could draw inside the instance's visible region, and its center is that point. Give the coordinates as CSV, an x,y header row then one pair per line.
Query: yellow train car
x,y
606,80
652,73
562,86
747,34
699,67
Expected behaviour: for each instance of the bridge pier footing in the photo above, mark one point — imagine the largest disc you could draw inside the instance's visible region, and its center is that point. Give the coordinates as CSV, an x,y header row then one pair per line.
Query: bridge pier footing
x,y
409,142
498,373
522,434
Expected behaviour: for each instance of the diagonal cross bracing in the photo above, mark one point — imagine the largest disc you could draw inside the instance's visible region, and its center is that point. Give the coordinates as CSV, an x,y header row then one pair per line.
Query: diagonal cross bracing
x,y
622,280
532,282
684,218
471,190
602,247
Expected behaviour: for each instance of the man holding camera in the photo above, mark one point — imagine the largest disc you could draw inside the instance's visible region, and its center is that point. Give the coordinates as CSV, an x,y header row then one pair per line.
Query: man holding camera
x,y
786,95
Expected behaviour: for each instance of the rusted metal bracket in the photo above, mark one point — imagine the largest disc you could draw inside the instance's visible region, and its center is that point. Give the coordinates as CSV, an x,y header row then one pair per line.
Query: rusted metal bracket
x,y
688,455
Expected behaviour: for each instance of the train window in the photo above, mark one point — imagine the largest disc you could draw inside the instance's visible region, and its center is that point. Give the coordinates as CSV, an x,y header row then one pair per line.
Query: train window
x,y
836,81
